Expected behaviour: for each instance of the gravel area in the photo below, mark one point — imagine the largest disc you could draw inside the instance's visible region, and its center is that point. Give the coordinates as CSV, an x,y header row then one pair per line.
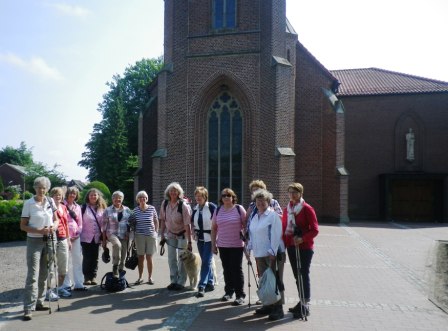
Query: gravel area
x,y
12,255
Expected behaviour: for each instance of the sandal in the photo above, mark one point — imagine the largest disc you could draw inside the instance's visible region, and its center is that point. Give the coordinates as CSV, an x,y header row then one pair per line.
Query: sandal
x,y
139,282
150,281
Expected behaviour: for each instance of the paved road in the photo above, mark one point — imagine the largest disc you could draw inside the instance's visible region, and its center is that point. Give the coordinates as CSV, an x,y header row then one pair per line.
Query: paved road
x,y
365,276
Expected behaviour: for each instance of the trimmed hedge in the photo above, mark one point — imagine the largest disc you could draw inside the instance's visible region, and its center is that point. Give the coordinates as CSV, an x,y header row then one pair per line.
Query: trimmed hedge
x,y
10,229
10,211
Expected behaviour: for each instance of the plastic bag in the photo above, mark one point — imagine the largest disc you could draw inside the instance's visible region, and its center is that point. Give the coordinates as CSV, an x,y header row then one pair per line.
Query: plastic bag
x,y
268,291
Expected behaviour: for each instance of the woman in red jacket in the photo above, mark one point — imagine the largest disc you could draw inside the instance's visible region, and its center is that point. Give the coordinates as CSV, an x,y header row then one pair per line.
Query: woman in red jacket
x,y
299,230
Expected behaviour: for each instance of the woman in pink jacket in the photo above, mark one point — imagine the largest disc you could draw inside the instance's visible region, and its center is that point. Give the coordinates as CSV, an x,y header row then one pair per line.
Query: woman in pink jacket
x,y
92,220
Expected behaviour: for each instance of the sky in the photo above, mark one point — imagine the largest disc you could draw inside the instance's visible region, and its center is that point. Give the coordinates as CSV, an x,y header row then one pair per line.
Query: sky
x,y
57,56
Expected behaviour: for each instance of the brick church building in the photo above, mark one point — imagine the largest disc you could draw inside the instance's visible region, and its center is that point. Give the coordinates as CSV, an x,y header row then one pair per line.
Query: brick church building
x,y
240,98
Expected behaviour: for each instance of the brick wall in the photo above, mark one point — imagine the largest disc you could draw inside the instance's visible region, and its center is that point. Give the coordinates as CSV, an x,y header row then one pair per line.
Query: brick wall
x,y
374,142
281,106
319,140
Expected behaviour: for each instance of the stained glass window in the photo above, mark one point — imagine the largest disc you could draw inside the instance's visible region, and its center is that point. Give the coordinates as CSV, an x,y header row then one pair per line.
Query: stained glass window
x,y
224,14
224,146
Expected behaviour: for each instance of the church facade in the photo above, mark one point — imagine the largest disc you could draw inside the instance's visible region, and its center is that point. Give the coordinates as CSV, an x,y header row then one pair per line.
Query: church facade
x,y
396,145
240,99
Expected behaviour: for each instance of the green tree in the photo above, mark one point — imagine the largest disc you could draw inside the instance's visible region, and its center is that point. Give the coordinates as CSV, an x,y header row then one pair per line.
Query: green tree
x,y
19,156
111,153
34,170
98,185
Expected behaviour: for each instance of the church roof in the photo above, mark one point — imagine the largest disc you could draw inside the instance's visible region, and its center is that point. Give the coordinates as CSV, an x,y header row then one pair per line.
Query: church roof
x,y
374,81
320,66
289,27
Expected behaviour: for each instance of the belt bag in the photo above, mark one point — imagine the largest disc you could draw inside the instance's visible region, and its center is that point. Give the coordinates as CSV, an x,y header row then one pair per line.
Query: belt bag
x,y
180,234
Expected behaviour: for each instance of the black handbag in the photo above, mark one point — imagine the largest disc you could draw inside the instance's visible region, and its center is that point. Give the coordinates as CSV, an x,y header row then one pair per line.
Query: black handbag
x,y
131,257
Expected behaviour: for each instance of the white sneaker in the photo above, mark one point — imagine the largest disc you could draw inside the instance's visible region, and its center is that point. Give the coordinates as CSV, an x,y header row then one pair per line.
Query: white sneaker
x,y
51,296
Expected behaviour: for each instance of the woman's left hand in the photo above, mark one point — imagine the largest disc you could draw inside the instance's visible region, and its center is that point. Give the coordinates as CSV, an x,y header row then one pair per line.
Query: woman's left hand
x,y
273,260
298,241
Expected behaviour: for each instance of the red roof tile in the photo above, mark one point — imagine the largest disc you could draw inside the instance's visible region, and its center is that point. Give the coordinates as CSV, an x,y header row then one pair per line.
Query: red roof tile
x,y
374,81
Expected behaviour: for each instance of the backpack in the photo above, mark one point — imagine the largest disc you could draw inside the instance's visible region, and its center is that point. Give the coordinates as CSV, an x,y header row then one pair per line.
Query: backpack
x,y
112,284
211,207
179,205
237,208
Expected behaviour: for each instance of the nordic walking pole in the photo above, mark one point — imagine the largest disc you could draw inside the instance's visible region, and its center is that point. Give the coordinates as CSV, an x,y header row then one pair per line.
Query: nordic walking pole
x,y
49,272
298,234
253,272
56,275
248,279
300,283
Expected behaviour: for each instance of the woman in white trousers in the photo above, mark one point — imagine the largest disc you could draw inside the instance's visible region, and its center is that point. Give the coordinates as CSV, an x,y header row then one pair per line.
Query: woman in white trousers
x,y
74,277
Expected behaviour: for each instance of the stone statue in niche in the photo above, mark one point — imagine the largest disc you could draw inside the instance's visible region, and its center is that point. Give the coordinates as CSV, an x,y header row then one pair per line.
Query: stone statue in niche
x,y
410,141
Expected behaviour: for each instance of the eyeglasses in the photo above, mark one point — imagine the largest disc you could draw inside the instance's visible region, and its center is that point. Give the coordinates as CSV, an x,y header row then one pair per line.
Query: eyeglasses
x,y
226,195
293,192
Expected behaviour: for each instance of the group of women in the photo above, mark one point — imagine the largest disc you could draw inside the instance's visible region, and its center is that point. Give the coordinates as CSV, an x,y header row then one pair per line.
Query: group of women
x,y
267,232
65,236
75,232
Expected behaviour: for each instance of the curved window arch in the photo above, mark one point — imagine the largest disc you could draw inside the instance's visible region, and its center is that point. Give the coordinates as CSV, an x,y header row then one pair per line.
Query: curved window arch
x,y
225,140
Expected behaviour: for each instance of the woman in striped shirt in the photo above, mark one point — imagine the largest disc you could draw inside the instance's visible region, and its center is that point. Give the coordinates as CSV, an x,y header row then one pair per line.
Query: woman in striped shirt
x,y
228,223
146,228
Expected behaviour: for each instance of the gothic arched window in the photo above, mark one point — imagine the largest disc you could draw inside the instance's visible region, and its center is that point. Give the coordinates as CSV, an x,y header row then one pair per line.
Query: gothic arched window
x,y
225,137
224,14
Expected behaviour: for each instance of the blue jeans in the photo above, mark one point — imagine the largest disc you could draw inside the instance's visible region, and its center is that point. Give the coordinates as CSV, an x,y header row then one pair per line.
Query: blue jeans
x,y
306,256
205,251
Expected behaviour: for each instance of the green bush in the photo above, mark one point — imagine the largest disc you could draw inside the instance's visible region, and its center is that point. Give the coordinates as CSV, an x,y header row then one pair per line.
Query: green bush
x,y
28,195
10,211
98,185
13,192
10,229
10,208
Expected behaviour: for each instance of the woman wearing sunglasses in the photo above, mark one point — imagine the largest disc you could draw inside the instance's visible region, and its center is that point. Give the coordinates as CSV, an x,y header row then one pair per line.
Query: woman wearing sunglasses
x,y
227,225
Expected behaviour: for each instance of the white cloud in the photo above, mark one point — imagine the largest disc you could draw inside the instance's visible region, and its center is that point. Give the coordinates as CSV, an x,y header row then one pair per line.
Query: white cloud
x,y
70,10
35,65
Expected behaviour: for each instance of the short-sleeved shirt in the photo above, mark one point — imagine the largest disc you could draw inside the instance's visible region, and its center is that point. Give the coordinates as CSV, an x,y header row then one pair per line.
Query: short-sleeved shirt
x,y
39,216
175,222
144,221
229,226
